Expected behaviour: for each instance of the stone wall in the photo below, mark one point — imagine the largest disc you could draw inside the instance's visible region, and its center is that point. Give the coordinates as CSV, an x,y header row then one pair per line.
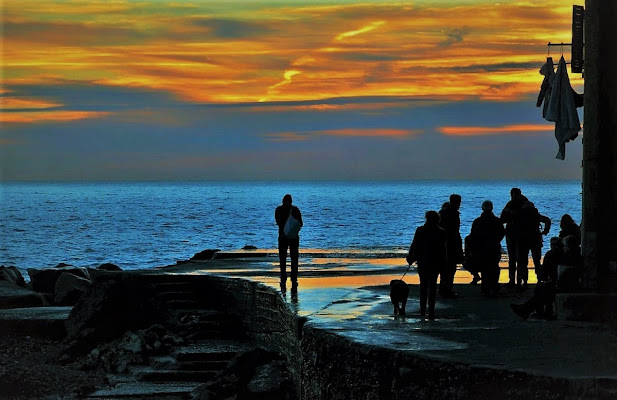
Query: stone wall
x,y
335,368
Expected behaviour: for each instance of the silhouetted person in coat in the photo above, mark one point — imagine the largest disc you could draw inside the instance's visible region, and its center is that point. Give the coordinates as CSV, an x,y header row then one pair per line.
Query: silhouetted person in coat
x,y
450,221
543,227
486,234
281,215
544,293
529,239
428,248
510,215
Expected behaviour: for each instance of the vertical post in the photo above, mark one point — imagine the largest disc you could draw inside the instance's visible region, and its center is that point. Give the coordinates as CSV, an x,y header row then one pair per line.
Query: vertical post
x,y
600,147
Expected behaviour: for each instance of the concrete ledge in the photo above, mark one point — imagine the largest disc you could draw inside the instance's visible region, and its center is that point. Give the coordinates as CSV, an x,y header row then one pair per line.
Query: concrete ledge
x,y
595,307
35,321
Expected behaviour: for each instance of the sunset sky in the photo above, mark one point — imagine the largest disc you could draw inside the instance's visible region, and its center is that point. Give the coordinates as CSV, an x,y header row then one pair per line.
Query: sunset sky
x,y
280,90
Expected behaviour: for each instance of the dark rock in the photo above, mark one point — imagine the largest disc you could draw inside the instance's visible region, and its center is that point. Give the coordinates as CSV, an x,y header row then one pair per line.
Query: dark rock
x,y
205,254
108,267
63,265
69,289
44,280
12,275
13,296
249,247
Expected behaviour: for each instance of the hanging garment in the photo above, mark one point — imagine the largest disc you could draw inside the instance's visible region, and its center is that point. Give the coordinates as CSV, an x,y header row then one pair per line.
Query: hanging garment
x,y
548,70
562,109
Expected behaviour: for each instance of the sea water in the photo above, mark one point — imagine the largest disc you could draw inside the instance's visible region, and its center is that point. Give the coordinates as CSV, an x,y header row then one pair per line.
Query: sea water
x,y
149,224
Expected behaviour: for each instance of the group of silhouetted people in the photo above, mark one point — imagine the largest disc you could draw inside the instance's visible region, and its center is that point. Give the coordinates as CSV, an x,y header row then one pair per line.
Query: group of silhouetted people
x,y
437,248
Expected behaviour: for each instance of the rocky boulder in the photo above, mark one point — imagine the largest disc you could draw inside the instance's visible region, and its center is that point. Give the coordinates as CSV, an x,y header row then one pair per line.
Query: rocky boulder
x,y
205,254
13,296
44,280
108,267
69,288
12,275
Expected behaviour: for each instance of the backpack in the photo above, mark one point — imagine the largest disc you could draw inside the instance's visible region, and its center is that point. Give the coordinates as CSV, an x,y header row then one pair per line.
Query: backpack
x,y
292,227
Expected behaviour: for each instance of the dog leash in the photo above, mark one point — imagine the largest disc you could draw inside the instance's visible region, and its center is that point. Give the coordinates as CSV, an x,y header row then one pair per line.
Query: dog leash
x,y
407,270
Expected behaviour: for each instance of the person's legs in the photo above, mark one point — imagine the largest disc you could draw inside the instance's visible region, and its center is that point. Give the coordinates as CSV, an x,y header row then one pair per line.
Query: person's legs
x,y
446,282
283,244
522,263
293,255
512,255
432,293
536,253
423,290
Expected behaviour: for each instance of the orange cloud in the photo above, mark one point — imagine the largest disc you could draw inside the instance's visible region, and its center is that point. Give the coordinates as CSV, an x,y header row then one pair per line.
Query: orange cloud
x,y
494,130
12,103
47,116
275,52
346,132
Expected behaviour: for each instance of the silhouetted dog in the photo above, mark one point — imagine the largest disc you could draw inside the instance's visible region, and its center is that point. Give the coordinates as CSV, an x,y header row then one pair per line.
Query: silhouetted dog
x,y
399,291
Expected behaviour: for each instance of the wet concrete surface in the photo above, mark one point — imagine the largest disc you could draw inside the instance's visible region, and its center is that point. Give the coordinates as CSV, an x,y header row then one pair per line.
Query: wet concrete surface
x,y
470,329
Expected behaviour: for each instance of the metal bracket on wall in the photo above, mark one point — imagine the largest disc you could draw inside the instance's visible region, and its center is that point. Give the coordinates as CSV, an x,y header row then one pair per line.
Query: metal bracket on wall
x,y
576,59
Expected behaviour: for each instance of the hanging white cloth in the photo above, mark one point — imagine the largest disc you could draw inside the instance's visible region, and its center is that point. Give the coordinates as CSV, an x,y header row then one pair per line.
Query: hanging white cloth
x,y
562,109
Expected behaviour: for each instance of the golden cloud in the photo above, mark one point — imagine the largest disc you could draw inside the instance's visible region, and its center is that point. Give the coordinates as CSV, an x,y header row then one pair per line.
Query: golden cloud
x,y
494,130
345,132
204,53
48,116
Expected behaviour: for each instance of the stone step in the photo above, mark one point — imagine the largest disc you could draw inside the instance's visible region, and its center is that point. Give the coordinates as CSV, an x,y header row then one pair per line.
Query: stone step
x,y
178,295
182,304
231,324
177,375
205,314
207,365
212,350
214,362
220,333
146,390
181,286
205,357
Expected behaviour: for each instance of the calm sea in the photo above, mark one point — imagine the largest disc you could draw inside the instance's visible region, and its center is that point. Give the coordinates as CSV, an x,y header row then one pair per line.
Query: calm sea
x,y
142,225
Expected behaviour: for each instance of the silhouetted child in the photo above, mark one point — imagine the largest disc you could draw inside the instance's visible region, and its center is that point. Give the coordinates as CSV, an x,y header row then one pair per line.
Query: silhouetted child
x,y
544,293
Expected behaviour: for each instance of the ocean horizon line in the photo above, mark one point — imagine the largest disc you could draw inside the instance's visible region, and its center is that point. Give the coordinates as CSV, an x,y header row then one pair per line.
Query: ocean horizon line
x,y
270,181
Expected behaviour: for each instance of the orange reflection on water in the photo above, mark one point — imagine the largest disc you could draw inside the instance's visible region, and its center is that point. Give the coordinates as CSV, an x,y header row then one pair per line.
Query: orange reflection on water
x,y
354,281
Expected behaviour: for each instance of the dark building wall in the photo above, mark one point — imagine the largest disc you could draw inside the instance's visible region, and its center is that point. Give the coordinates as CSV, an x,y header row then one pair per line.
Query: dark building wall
x,y
600,147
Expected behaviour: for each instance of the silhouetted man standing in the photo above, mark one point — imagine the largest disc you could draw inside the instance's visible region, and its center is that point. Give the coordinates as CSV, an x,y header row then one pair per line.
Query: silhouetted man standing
x,y
450,221
428,248
510,215
287,214
530,239
486,235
